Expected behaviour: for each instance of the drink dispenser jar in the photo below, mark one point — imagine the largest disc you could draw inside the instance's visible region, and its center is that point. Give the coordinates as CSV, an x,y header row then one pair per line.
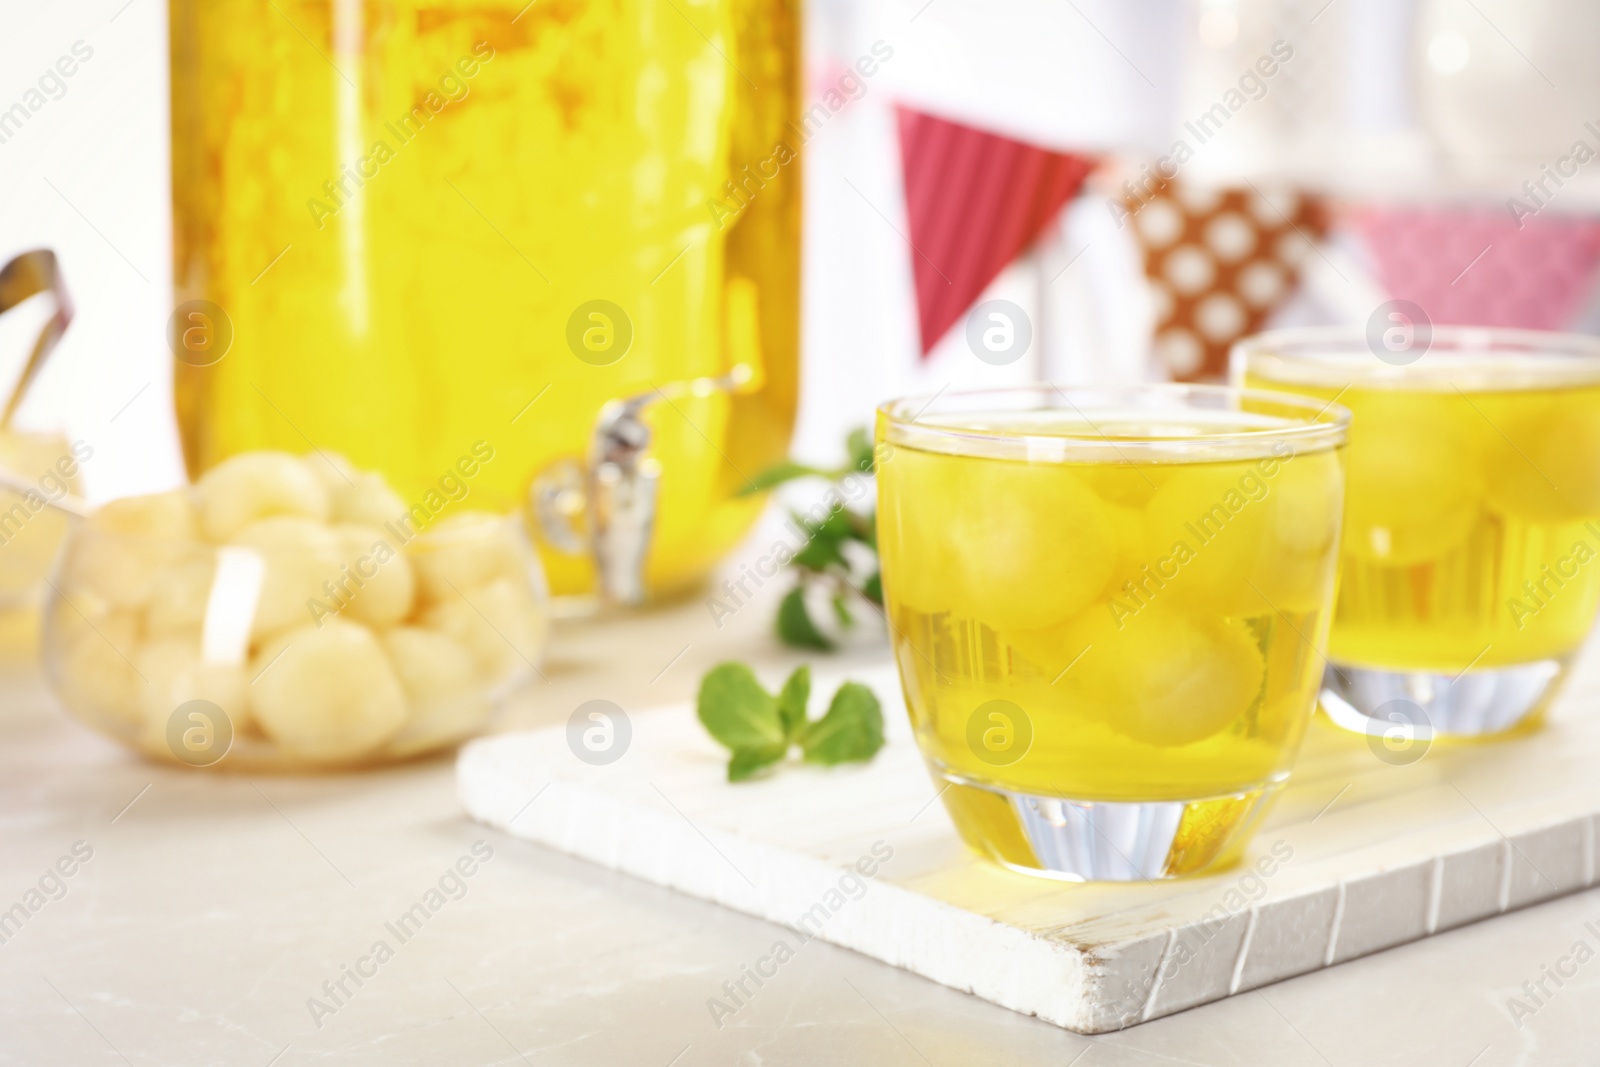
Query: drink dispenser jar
x,y
560,235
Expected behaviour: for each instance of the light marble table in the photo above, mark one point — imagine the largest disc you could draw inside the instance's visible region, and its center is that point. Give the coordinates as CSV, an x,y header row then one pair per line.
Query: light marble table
x,y
213,908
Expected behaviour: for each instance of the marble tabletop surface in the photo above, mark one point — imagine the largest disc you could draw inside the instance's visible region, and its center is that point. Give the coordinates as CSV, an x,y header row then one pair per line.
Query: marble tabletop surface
x,y
207,916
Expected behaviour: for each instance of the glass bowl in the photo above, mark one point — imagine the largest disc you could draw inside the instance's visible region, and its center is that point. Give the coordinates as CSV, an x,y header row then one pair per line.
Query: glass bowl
x,y
299,645
42,467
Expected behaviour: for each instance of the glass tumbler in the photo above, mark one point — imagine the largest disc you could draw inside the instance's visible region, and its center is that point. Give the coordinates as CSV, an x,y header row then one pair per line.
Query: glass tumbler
x,y
1468,580
1108,608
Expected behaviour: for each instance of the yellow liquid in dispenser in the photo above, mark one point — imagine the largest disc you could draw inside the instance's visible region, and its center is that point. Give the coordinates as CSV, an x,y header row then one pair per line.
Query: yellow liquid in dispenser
x,y
1470,534
1153,622
400,207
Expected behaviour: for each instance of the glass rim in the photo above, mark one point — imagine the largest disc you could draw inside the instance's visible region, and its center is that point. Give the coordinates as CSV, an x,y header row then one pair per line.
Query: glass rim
x,y
1477,358
1291,419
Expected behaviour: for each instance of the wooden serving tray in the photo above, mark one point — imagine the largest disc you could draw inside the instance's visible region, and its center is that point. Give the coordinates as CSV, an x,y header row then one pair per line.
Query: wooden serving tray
x,y
1358,855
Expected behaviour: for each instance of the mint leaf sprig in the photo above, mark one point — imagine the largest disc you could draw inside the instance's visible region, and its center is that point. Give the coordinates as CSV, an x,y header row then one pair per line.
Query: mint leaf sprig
x,y
760,728
824,563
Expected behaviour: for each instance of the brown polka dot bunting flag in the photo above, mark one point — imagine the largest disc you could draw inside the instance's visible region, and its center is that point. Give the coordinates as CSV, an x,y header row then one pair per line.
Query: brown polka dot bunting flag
x,y
1219,261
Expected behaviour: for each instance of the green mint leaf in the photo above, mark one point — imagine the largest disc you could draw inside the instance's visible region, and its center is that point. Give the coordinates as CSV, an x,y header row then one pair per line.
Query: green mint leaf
x,y
823,540
736,710
841,611
786,471
872,588
851,730
837,525
792,701
747,762
795,627
817,553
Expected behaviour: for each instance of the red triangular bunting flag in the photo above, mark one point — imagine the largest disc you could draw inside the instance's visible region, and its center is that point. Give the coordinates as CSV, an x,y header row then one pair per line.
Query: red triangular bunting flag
x,y
974,201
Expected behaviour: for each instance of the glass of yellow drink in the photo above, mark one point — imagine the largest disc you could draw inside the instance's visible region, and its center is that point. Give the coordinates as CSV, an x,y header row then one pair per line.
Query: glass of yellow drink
x,y
1108,607
1468,578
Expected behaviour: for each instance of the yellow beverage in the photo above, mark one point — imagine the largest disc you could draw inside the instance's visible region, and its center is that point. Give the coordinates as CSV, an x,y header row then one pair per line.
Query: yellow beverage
x,y
1093,603
1470,536
404,208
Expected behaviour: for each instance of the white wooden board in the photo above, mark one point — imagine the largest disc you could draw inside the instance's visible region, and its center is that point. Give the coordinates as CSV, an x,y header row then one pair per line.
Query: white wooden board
x,y
1362,855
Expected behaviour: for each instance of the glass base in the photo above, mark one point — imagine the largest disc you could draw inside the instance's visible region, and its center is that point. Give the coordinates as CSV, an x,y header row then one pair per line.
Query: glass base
x,y
1473,703
1102,841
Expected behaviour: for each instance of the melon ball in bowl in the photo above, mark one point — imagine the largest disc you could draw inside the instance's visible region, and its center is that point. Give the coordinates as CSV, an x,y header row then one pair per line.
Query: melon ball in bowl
x,y
276,615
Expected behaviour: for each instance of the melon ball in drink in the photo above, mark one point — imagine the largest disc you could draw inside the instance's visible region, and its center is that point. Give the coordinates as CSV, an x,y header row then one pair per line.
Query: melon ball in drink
x,y
1133,548
1212,521
1547,467
1034,545
1297,563
915,490
1162,676
1415,489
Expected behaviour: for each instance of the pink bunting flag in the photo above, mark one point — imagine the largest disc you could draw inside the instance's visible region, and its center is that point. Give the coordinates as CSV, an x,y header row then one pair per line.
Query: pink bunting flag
x,y
974,201
1477,267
